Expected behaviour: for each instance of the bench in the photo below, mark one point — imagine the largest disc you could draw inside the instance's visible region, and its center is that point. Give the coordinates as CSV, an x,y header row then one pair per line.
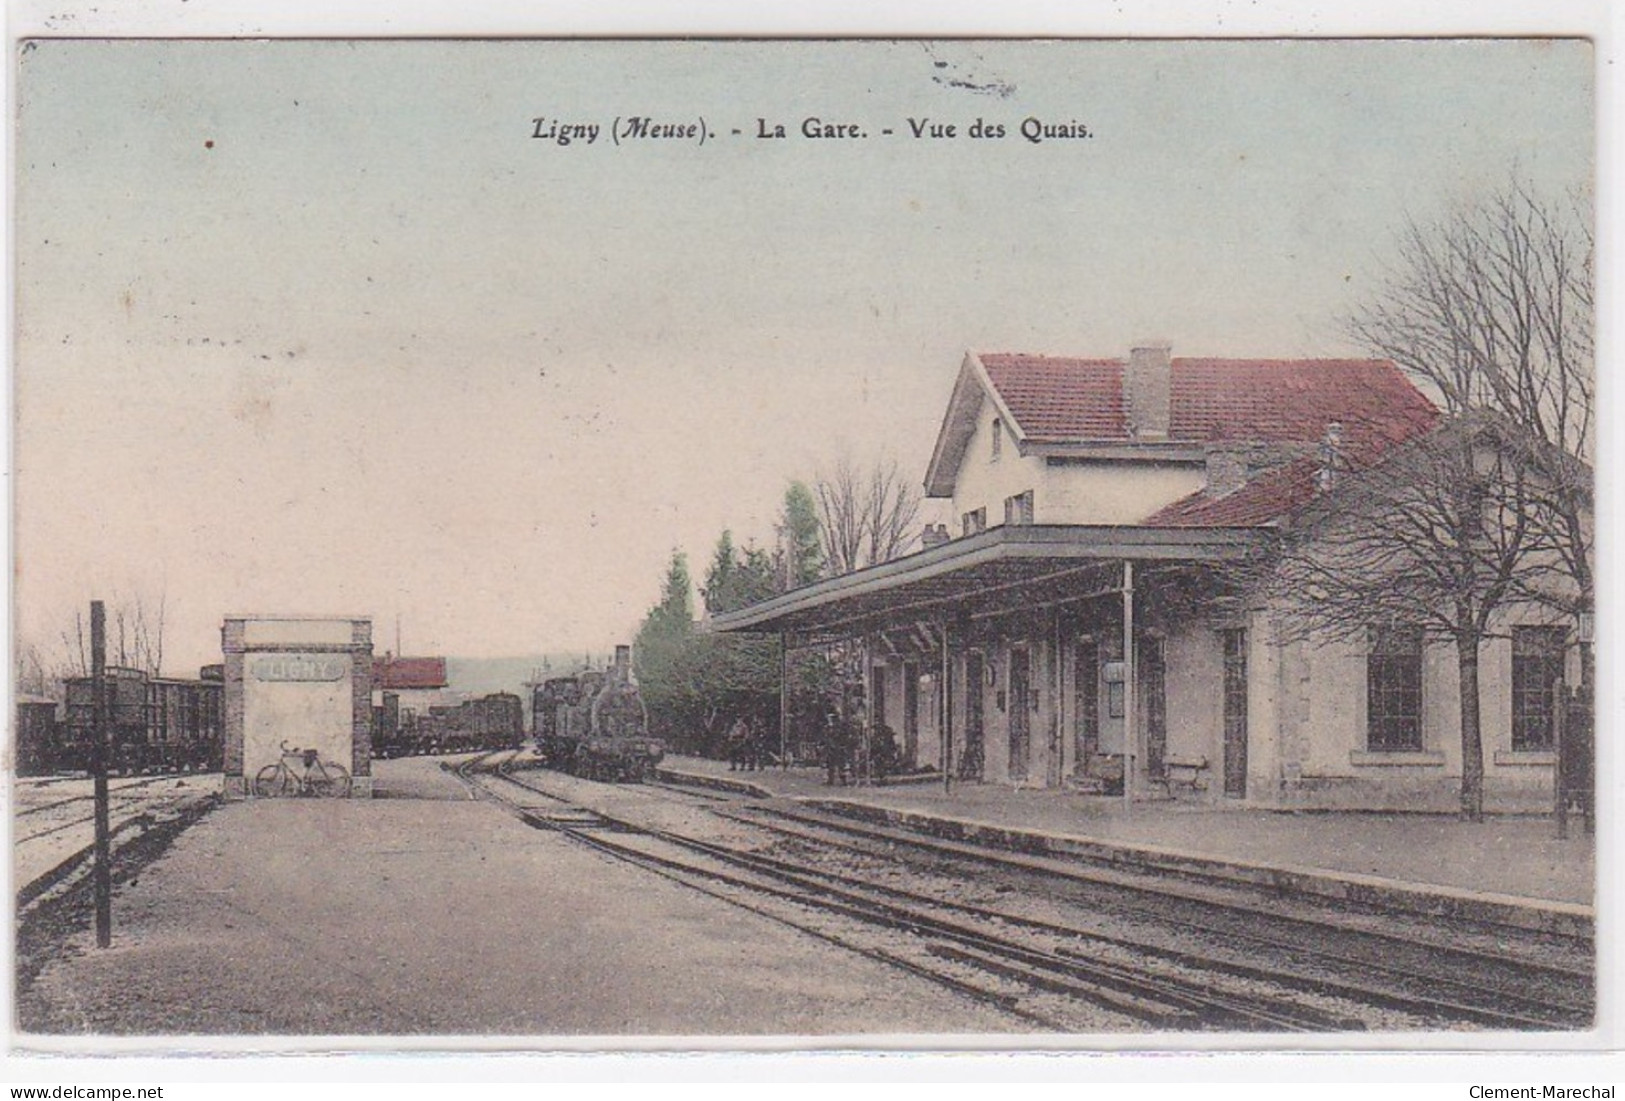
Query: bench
x,y
1186,772
1102,773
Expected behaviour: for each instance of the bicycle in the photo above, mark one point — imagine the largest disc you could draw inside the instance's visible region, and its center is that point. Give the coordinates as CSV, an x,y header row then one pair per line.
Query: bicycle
x,y
307,775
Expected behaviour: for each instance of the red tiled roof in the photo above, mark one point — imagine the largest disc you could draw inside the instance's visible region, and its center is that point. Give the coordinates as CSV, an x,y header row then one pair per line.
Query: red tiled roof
x,y
1263,498
398,673
1272,401
1056,399
1295,399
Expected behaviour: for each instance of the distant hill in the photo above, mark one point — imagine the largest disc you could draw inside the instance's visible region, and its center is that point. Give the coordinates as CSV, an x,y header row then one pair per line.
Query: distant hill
x,y
482,676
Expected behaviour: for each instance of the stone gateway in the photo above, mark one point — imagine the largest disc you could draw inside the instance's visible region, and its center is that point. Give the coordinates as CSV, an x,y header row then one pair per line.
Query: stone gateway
x,y
297,684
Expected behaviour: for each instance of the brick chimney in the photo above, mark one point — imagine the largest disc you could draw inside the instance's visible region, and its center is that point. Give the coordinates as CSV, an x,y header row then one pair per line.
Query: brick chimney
x,y
1330,457
1146,390
1227,468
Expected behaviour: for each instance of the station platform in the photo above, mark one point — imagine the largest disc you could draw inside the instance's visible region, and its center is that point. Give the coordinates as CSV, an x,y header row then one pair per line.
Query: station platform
x,y
426,913
1506,868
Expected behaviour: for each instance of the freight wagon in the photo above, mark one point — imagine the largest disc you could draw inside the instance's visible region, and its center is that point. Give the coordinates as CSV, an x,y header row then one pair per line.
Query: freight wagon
x,y
154,724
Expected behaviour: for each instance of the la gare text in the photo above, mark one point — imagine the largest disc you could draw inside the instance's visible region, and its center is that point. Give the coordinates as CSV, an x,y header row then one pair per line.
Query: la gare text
x,y
636,129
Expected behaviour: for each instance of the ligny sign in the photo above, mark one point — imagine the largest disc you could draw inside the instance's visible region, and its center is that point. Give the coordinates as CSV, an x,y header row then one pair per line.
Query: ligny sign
x,y
299,667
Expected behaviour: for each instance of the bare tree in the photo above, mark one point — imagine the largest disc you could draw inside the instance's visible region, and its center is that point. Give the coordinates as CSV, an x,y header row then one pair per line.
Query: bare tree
x,y
867,517
894,512
841,515
136,633
32,675
75,647
148,633
135,638
1434,540
1492,308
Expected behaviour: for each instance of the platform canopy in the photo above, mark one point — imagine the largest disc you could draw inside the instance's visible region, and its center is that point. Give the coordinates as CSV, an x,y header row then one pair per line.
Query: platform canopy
x,y
1009,567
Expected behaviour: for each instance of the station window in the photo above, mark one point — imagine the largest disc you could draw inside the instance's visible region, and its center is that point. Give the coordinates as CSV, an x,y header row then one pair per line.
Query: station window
x,y
1019,509
973,521
1394,690
998,439
1537,663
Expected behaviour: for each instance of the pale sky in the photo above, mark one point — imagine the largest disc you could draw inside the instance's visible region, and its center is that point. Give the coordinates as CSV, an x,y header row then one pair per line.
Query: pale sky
x,y
318,327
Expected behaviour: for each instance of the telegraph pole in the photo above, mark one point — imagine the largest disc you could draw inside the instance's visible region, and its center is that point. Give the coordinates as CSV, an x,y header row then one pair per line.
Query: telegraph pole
x,y
945,722
102,873
1131,686
784,700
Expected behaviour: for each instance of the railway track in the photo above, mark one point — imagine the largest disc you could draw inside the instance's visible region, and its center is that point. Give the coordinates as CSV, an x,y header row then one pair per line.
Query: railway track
x,y
1036,967
962,960
37,823
52,840
699,797
1416,973
115,785
1461,937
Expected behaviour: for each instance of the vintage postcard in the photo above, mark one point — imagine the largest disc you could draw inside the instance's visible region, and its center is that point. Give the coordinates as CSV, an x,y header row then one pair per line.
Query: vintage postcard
x,y
926,543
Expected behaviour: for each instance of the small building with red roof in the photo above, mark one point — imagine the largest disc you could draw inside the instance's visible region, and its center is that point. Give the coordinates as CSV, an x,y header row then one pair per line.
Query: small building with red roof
x,y
405,689
403,674
1066,628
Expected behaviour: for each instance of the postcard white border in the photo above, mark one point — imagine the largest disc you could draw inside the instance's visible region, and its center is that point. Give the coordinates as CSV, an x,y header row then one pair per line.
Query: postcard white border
x,y
1594,1056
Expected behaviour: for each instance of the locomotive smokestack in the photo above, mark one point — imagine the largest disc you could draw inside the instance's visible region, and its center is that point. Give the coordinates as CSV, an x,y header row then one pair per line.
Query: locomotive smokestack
x,y
623,661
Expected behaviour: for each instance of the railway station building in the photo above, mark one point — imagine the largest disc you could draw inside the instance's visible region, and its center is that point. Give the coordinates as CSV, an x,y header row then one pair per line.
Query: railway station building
x,y
297,683
1070,631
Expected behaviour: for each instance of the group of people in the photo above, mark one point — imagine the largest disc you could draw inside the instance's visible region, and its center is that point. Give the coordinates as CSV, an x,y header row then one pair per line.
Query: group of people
x,y
746,745
853,753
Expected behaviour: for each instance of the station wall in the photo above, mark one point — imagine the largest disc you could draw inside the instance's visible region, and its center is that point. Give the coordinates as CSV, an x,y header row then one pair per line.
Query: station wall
x,y
297,683
1307,743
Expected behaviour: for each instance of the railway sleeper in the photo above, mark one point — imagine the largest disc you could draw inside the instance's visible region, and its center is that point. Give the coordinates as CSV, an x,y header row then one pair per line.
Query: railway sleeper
x,y
1094,975
1241,1009
1207,1008
569,821
1160,1014
1534,1012
1522,1012
1109,987
1123,880
693,877
1530,1013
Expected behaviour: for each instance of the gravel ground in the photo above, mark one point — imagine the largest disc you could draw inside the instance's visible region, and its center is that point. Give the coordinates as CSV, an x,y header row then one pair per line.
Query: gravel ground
x,y
1504,854
426,913
52,819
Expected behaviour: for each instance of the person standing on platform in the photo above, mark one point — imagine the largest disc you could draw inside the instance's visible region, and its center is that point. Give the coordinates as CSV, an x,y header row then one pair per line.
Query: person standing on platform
x,y
737,744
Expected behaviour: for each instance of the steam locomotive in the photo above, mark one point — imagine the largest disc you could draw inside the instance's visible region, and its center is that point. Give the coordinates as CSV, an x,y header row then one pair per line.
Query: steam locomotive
x,y
594,724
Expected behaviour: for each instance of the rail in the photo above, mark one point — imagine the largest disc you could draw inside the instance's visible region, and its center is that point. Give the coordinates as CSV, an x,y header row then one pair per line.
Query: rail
x,y
1162,1000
